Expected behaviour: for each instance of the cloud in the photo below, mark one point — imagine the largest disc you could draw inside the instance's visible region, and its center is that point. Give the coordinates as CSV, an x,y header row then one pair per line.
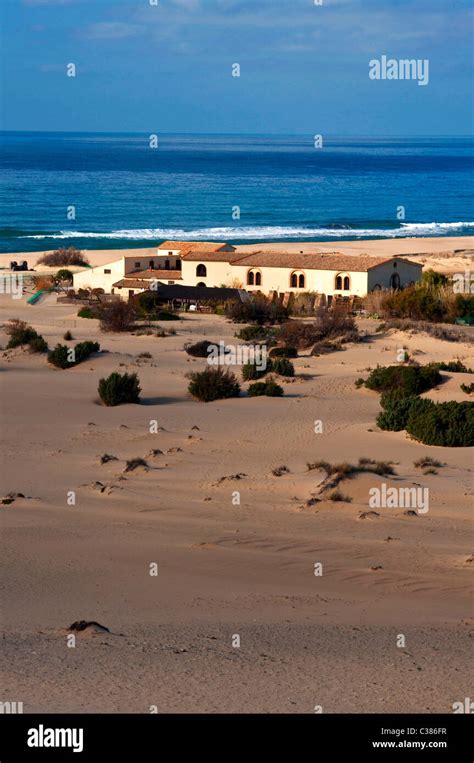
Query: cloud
x,y
112,30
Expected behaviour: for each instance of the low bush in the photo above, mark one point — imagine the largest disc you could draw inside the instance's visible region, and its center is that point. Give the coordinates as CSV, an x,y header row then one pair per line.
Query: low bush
x,y
117,389
213,384
396,411
87,312
403,381
250,333
426,461
66,357
283,352
251,371
447,424
200,349
116,316
68,336
60,257
468,388
20,333
256,310
38,344
327,325
338,496
455,366
283,367
267,388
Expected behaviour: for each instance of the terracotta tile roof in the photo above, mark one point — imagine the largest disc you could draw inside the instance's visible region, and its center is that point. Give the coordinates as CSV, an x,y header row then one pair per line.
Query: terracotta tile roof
x,y
310,261
169,274
195,246
140,279
207,256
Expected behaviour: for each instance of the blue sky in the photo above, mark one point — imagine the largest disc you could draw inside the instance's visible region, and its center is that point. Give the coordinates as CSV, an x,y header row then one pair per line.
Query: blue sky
x,y
167,68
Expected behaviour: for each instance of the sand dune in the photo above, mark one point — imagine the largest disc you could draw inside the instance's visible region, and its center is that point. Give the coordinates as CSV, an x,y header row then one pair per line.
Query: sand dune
x,y
224,568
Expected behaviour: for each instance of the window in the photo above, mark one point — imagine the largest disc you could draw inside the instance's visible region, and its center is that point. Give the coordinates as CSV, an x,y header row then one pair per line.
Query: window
x,y
201,284
167,264
338,283
297,280
347,283
294,280
151,264
138,264
254,278
201,271
395,281
301,281
178,265
107,270
377,287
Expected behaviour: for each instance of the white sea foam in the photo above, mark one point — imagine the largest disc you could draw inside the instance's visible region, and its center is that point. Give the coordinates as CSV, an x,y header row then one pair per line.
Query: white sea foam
x,y
263,232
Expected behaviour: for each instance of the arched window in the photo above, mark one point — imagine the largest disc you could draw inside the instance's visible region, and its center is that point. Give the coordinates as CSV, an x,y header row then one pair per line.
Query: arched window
x,y
377,287
338,284
201,271
201,284
297,280
395,281
347,283
254,278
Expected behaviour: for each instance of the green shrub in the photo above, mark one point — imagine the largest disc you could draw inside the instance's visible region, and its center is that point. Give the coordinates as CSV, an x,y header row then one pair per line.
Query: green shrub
x,y
200,349
38,344
283,352
448,424
283,367
268,388
250,333
455,366
213,384
396,411
63,275
84,349
66,357
256,310
464,305
68,336
403,381
252,371
468,388
86,312
20,333
117,389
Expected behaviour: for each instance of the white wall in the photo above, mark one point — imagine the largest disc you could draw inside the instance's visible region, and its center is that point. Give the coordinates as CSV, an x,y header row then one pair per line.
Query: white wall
x,y
99,278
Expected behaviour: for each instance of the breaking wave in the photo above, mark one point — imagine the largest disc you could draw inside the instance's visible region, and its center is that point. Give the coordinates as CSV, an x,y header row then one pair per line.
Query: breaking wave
x,y
263,232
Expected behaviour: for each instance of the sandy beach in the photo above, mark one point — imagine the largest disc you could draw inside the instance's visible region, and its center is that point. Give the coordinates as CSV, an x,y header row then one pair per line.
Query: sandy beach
x,y
225,569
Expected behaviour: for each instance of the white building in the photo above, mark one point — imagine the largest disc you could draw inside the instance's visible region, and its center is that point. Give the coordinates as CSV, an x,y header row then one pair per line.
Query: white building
x,y
220,264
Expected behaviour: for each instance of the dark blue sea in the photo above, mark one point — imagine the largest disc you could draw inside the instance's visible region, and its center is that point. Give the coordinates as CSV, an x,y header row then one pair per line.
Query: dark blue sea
x,y
128,194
